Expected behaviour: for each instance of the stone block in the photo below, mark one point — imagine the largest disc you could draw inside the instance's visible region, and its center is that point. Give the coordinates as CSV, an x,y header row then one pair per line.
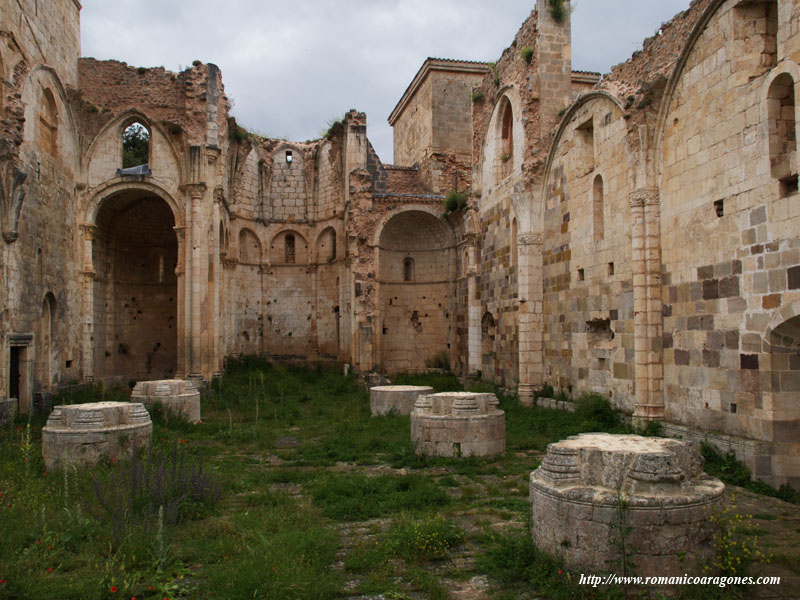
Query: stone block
x,y
8,410
84,434
178,397
398,399
666,495
457,424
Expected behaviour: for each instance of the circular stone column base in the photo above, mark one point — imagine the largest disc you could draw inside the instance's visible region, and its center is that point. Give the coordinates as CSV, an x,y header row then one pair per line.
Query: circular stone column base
x,y
179,397
398,399
596,493
84,434
458,424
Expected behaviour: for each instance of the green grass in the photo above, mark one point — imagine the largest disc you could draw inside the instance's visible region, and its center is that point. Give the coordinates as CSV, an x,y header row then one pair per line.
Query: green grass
x,y
318,497
357,497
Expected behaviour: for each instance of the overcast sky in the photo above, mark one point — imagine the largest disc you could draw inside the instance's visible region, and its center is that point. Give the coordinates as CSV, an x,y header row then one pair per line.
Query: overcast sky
x,y
290,67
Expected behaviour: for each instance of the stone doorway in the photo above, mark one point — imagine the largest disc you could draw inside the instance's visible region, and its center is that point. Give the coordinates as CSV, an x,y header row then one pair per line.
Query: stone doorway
x,y
134,253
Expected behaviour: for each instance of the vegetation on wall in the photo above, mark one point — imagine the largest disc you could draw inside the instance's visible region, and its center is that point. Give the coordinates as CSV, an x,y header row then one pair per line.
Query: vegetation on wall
x,y
527,54
455,200
558,10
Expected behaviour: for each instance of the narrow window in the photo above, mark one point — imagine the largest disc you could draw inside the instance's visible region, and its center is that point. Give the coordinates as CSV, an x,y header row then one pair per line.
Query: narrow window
x,y
611,268
135,146
585,134
719,208
333,246
782,136
289,249
513,257
408,269
597,208
161,269
505,159
580,275
48,124
289,157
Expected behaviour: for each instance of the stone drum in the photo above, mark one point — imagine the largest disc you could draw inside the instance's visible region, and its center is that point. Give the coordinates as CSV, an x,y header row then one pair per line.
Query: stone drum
x,y
179,397
458,424
83,434
596,493
400,399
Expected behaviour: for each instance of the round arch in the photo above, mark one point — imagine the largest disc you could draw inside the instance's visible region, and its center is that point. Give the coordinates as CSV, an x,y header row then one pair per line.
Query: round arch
x,y
114,188
135,295
415,289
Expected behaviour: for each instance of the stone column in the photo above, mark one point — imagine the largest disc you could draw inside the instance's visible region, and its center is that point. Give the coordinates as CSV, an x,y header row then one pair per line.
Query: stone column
x,y
88,272
196,288
529,274
646,269
473,308
182,296
215,285
655,313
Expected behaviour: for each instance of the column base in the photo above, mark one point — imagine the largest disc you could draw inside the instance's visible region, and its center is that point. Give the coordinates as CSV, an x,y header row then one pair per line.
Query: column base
x,y
644,413
526,394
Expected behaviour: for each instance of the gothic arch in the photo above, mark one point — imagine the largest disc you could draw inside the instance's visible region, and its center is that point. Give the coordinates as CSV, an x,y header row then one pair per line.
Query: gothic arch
x,y
116,126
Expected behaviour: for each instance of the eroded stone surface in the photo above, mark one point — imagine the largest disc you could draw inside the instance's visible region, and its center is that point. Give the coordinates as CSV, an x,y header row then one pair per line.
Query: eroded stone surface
x,y
8,408
399,399
458,424
83,434
591,487
178,397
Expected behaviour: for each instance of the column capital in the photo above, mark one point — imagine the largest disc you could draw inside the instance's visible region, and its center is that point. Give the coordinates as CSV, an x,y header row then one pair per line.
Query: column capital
x,y
644,197
89,231
195,190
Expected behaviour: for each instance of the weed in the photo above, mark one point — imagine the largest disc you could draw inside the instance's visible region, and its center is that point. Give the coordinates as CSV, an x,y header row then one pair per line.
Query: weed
x,y
527,54
152,487
477,96
735,550
454,201
558,10
424,539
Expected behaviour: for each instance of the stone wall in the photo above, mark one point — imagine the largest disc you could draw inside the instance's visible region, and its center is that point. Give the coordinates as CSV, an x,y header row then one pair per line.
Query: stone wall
x,y
588,282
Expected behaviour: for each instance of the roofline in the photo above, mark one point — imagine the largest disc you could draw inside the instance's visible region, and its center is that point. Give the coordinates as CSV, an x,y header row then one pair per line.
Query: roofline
x,y
434,64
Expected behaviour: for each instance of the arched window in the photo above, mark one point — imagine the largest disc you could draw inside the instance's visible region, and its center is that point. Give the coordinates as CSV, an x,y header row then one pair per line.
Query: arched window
x,y
505,147
408,269
782,134
48,123
135,146
289,253
597,208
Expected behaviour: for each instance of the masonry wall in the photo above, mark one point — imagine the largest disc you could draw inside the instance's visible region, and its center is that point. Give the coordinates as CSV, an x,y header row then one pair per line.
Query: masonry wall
x,y
412,133
588,289
729,230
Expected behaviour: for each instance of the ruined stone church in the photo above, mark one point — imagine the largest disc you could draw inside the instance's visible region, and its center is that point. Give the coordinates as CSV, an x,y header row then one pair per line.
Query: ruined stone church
x,y
635,234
